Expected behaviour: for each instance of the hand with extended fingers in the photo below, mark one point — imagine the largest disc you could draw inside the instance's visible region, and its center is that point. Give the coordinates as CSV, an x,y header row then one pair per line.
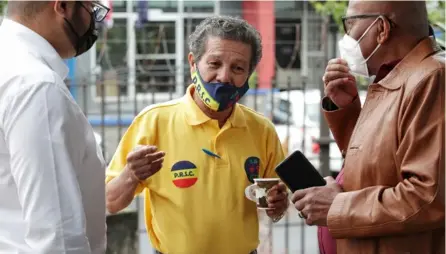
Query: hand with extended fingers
x,y
144,161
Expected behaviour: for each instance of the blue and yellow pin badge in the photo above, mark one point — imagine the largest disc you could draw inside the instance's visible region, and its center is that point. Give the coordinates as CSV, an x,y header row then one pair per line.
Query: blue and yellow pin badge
x,y
184,174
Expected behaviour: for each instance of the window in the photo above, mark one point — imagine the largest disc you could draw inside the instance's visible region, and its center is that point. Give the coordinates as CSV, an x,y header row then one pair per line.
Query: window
x,y
119,5
155,48
288,38
199,6
287,6
111,49
168,5
189,27
112,46
165,5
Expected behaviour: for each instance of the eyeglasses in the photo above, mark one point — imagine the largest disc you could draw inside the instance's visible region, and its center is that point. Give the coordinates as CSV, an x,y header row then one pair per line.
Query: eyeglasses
x,y
100,11
346,19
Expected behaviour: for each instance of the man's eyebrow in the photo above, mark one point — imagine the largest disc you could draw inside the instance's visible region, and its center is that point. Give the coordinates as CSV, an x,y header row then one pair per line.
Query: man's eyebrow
x,y
214,55
241,61
217,56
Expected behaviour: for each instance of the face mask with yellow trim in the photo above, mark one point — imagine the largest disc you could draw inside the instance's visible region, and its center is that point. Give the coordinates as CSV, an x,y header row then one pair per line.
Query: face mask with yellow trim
x,y
218,96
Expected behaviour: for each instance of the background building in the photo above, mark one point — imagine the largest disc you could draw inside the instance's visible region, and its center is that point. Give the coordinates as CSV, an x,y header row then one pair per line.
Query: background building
x,y
148,60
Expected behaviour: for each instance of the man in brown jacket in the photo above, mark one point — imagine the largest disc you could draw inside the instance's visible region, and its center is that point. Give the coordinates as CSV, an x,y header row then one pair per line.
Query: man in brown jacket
x,y
392,197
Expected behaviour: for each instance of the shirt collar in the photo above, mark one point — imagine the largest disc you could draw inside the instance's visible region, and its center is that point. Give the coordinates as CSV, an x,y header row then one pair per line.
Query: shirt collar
x,y
422,50
386,69
36,44
194,115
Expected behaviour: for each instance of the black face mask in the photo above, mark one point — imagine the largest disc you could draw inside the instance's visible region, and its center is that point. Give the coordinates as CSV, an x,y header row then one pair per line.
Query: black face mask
x,y
81,43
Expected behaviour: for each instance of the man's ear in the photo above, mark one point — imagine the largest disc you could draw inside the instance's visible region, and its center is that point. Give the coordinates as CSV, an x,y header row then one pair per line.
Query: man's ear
x,y
192,63
383,30
62,7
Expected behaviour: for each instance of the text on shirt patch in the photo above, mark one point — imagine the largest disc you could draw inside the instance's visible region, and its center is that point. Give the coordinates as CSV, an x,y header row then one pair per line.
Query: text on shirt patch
x,y
184,174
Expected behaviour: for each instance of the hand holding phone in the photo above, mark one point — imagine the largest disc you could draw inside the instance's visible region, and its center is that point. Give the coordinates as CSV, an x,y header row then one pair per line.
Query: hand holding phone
x,y
297,172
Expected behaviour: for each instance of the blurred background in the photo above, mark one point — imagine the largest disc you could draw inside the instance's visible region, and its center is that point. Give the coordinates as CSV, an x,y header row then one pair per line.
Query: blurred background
x,y
140,59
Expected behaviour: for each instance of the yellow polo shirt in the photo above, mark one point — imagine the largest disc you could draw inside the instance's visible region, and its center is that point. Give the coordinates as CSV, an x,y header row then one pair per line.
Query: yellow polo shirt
x,y
196,203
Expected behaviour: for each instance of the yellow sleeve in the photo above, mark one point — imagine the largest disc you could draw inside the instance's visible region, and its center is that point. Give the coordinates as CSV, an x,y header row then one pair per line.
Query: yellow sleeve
x,y
274,151
140,132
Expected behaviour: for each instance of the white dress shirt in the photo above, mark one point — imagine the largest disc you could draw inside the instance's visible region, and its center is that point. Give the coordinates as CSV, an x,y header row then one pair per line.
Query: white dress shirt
x,y
52,173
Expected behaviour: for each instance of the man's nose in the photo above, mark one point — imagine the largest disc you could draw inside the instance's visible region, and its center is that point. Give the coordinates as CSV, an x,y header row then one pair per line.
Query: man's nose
x,y
224,76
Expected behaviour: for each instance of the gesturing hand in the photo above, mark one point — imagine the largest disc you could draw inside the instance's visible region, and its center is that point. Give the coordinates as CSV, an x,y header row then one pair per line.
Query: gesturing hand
x,y
144,161
340,85
314,203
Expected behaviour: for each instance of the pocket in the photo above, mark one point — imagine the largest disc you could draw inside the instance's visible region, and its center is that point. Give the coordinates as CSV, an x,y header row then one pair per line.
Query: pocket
x,y
351,155
353,150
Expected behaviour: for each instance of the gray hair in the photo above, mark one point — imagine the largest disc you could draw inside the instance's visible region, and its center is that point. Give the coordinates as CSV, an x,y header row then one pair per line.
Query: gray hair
x,y
229,28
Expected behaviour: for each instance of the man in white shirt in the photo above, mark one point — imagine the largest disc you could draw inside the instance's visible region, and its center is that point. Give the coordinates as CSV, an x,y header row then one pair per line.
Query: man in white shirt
x,y
52,172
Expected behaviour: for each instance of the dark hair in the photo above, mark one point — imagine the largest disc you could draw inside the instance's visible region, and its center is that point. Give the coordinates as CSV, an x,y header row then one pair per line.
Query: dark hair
x,y
226,27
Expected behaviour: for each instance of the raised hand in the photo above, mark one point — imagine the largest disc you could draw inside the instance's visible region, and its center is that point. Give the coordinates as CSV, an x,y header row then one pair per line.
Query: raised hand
x,y
340,85
145,161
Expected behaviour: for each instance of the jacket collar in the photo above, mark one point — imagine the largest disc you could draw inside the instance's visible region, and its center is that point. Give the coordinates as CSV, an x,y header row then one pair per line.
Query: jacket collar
x,y
422,50
194,115
36,45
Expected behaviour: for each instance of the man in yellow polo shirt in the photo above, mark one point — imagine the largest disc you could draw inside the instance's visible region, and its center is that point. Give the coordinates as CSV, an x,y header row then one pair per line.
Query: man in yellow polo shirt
x,y
193,157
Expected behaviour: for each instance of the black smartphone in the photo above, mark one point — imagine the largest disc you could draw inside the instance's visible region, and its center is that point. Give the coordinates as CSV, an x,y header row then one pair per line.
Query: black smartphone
x,y
297,172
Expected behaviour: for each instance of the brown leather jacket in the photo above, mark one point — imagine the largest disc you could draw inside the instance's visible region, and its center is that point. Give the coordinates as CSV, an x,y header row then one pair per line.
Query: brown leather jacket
x,y
394,168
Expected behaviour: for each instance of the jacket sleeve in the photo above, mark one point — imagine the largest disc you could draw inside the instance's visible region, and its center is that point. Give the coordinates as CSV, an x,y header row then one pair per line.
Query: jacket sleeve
x,y
341,121
417,203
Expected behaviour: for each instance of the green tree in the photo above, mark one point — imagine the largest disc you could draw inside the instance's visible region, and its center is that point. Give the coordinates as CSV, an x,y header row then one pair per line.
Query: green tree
x,y
336,9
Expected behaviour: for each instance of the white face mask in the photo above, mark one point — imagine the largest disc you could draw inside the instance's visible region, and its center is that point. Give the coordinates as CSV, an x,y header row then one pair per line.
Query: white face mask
x,y
351,52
